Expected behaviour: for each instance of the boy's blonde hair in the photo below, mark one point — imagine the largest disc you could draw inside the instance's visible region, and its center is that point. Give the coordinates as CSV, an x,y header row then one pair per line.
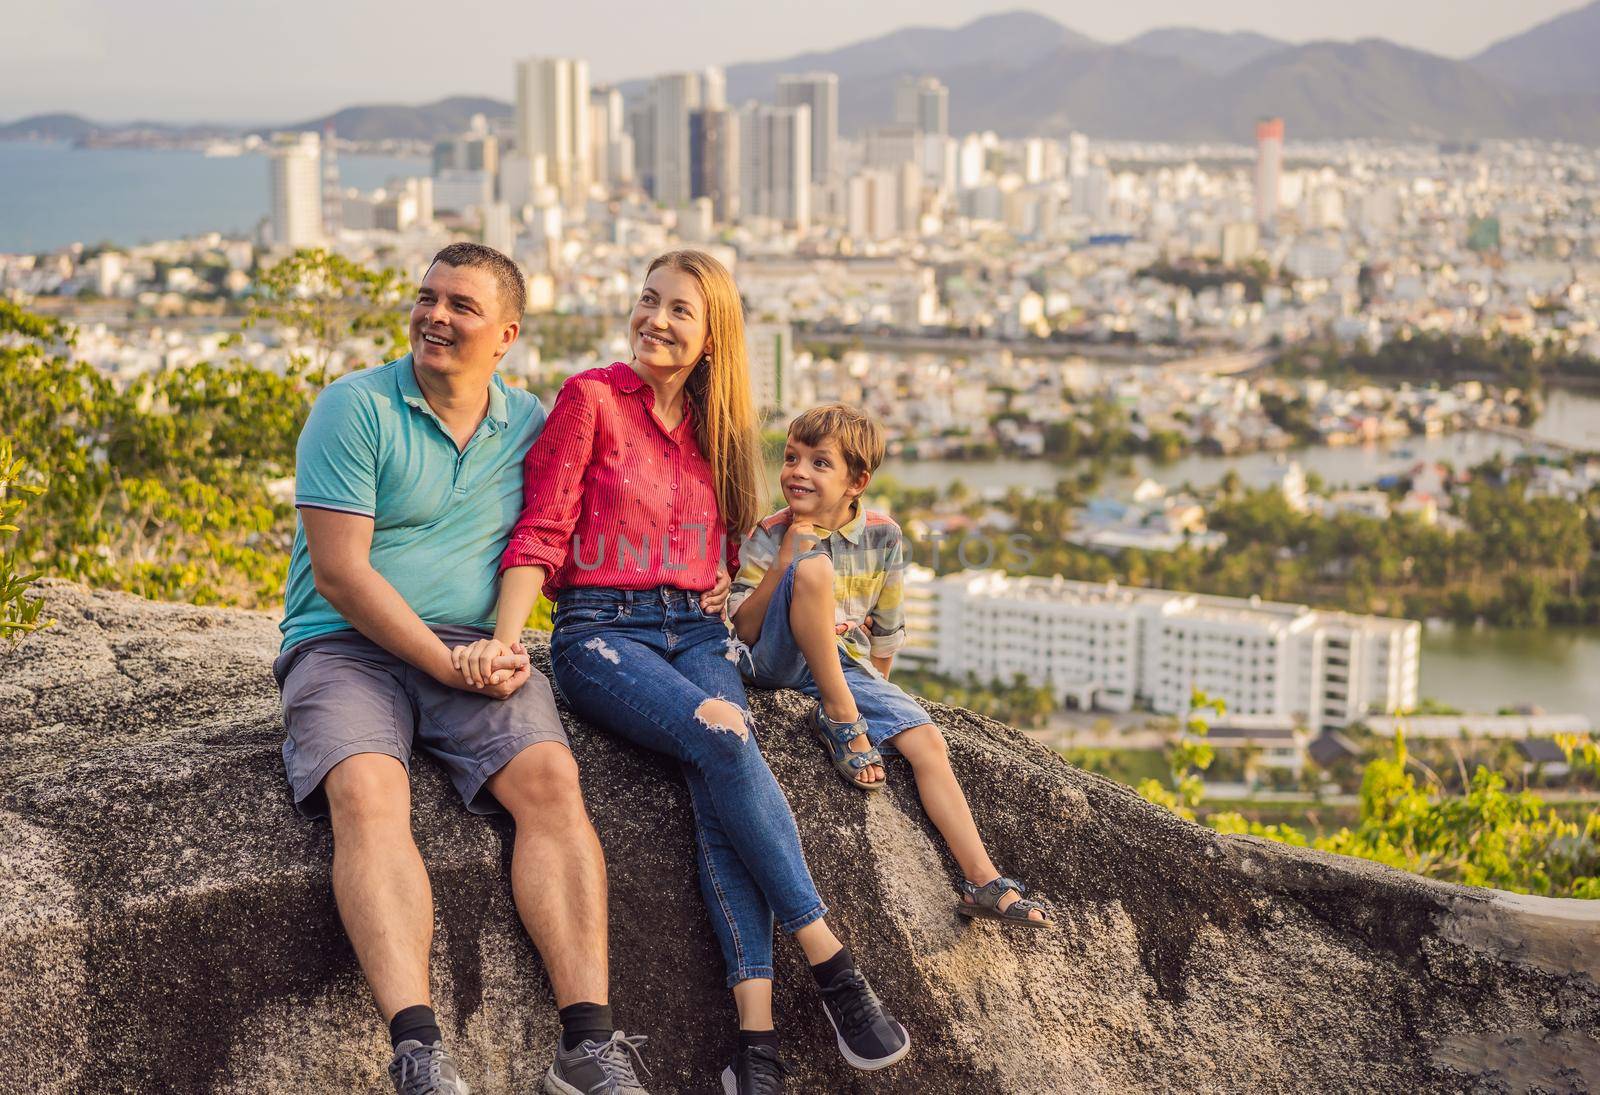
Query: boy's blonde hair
x,y
860,439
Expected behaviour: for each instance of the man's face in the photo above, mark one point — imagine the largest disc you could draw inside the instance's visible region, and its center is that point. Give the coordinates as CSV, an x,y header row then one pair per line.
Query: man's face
x,y
458,322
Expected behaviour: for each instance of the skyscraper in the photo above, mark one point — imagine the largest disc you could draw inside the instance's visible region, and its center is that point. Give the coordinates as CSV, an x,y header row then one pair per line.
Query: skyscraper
x,y
713,88
610,147
923,102
553,123
775,163
1269,168
820,92
297,190
714,161
676,95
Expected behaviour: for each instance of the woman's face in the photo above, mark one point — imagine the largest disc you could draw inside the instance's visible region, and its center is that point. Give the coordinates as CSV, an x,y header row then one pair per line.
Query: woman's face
x,y
669,329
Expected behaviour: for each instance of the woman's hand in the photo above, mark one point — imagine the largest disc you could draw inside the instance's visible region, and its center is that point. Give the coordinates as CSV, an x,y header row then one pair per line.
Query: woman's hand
x,y
477,662
715,599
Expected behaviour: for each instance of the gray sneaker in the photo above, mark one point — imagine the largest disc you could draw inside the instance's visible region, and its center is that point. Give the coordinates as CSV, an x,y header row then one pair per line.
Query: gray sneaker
x,y
417,1069
597,1068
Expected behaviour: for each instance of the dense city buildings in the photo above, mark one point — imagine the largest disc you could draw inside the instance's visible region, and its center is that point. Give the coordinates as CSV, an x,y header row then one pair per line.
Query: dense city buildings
x,y
1026,297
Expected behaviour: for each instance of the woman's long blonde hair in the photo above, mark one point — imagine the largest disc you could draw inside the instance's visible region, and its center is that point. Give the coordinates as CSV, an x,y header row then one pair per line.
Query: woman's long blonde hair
x,y
719,391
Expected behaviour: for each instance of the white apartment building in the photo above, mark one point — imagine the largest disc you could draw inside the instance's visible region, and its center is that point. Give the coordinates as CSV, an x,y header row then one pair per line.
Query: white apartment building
x,y
1112,647
297,190
552,123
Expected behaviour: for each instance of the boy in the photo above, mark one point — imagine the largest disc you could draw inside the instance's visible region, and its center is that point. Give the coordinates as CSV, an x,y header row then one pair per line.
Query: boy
x,y
818,602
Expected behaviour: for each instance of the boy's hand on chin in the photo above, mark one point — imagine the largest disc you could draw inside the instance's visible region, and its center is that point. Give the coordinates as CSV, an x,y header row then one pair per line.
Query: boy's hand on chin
x,y
801,535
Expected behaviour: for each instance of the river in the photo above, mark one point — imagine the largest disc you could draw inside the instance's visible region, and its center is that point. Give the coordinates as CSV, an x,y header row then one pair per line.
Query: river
x,y
55,195
1475,669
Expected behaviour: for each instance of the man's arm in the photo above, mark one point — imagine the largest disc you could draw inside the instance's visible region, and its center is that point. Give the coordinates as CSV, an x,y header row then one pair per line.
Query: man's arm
x,y
882,664
340,545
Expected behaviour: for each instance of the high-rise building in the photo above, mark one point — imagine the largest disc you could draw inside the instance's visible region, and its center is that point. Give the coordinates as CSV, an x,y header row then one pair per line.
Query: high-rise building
x,y
1269,169
775,148
714,161
713,88
297,190
770,346
820,92
872,204
892,145
553,123
676,96
1077,155
610,147
924,103
332,206
640,124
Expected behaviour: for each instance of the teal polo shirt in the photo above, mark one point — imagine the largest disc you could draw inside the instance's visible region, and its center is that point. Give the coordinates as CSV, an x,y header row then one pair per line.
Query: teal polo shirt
x,y
440,517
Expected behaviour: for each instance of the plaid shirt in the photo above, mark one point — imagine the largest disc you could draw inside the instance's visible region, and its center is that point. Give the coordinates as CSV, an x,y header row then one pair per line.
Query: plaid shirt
x,y
868,577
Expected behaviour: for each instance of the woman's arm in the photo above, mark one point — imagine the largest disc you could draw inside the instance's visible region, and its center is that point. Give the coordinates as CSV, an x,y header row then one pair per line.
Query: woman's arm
x,y
519,592
553,483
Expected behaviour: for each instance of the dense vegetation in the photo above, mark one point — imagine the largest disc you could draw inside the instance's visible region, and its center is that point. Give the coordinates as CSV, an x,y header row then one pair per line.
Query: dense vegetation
x,y
1426,357
1486,836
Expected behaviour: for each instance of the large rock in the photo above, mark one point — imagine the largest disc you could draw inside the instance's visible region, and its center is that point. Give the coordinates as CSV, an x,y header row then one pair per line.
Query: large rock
x,y
167,923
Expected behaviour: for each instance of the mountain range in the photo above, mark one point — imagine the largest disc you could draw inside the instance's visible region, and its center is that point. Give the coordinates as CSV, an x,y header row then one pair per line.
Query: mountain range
x,y
1023,73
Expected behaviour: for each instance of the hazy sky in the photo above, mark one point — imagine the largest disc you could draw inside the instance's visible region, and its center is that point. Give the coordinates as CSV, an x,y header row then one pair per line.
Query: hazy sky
x,y
240,60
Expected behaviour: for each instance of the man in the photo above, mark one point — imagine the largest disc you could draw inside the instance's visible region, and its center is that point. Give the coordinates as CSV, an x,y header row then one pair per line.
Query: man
x,y
409,479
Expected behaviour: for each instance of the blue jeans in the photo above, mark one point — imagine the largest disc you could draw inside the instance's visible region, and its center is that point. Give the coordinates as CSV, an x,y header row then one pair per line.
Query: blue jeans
x,y
639,664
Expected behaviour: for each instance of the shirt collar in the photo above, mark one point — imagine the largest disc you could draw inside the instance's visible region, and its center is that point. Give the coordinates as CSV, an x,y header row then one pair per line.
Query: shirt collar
x,y
851,529
623,377
626,381
411,392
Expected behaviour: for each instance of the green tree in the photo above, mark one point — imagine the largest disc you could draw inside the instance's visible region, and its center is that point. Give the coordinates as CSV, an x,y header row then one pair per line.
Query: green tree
x,y
319,301
19,613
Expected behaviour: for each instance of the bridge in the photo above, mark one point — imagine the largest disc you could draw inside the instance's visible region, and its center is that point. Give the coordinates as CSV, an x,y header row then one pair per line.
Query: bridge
x,y
1536,442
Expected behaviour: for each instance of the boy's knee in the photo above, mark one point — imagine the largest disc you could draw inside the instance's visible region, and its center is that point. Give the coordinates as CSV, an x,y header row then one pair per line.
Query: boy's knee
x,y
814,573
921,743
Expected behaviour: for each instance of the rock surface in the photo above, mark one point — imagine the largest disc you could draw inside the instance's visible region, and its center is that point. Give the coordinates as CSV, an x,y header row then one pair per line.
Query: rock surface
x,y
167,922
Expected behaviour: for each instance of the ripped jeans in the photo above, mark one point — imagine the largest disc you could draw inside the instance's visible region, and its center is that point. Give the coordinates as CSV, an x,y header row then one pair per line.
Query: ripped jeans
x,y
647,666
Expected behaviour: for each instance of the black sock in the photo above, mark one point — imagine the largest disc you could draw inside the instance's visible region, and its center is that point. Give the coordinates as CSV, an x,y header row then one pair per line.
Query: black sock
x,y
585,1022
827,970
748,1038
417,1023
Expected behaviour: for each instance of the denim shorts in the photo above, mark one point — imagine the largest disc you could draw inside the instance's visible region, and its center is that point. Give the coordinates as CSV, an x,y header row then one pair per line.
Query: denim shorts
x,y
776,662
343,694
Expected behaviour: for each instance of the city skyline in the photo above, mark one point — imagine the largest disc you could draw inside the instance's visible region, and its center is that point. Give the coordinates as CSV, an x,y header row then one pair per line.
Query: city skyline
x,y
106,62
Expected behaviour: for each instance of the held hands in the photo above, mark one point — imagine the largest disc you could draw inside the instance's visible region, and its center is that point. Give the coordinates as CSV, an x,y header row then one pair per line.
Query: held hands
x,y
491,667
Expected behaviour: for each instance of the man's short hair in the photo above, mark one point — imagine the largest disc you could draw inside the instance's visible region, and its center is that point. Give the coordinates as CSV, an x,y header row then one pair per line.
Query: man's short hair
x,y
860,439
513,290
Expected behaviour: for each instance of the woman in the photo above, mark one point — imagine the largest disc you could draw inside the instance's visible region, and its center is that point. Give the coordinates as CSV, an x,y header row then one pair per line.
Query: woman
x,y
643,471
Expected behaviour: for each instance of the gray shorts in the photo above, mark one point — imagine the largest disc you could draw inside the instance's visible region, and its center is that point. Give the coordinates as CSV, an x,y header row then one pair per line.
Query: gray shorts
x,y
344,694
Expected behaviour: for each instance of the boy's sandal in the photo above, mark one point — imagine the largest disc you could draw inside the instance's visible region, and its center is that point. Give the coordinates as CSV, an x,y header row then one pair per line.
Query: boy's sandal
x,y
983,903
836,738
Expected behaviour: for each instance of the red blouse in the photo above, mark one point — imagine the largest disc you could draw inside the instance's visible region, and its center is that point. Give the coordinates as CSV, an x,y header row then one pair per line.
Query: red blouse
x,y
611,498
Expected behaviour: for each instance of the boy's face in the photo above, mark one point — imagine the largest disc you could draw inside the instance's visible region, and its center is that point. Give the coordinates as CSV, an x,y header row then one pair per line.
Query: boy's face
x,y
816,481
